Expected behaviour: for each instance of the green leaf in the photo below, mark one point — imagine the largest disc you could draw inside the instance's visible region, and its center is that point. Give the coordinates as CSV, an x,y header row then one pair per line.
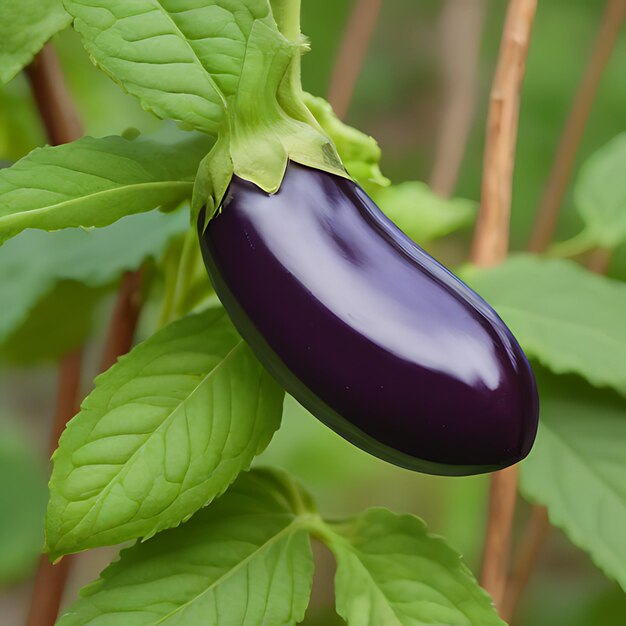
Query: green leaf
x,y
60,321
22,504
244,561
568,318
600,194
414,208
391,571
182,62
423,215
40,274
359,152
222,67
94,182
164,432
25,26
577,468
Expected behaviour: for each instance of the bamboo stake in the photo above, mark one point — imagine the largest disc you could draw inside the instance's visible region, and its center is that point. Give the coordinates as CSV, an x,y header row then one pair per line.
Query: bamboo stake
x,y
538,526
558,181
490,248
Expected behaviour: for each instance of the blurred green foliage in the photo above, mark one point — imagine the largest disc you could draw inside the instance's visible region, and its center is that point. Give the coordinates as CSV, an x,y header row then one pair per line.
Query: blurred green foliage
x,y
23,497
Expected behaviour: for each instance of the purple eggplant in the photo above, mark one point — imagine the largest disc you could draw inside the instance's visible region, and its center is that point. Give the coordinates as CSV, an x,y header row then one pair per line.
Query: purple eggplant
x,y
366,330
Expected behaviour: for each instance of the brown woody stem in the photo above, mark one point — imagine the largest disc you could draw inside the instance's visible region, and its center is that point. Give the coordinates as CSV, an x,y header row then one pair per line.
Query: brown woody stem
x,y
558,181
535,535
490,248
538,526
491,240
50,580
54,103
62,125
119,339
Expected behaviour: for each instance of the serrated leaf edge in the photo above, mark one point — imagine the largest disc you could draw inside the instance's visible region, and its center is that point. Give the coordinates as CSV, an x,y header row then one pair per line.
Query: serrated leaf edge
x,y
105,490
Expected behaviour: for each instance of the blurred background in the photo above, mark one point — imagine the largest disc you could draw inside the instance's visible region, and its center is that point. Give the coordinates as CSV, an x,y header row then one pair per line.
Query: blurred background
x,y
404,91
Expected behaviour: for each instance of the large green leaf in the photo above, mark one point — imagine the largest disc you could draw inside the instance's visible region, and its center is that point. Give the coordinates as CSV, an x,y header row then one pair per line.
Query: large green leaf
x,y
164,432
22,504
25,26
35,264
94,182
392,572
577,468
571,320
422,214
182,62
243,561
600,194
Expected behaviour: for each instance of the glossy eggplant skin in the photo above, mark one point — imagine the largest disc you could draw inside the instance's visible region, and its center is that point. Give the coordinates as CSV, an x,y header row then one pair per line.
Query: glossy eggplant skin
x,y
366,330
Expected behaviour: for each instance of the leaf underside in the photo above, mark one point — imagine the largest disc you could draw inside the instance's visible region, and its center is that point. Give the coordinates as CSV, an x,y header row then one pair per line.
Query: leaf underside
x,y
35,265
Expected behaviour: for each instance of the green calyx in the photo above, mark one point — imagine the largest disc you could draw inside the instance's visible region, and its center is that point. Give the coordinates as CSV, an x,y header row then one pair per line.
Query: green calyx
x,y
266,122
359,152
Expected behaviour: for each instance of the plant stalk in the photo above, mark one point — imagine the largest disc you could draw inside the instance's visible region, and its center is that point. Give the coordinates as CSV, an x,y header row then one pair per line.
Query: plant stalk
x,y
62,125
287,16
121,332
560,175
54,103
491,239
535,535
354,45
599,260
50,580
490,248
538,525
